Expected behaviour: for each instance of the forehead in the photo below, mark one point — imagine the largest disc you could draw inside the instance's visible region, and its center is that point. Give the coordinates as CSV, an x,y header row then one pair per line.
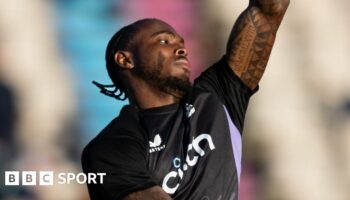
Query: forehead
x,y
153,27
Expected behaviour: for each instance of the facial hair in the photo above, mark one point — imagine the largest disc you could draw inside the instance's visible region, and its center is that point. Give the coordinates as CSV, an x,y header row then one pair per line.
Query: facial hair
x,y
175,86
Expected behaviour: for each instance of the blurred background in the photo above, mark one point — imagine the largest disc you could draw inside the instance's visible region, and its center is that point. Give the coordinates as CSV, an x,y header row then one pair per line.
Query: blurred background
x,y
297,132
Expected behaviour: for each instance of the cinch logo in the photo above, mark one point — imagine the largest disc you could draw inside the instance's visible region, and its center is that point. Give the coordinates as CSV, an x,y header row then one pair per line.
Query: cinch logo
x,y
179,172
48,178
155,145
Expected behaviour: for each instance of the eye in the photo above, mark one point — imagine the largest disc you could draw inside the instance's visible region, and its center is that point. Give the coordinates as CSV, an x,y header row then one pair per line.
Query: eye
x,y
163,42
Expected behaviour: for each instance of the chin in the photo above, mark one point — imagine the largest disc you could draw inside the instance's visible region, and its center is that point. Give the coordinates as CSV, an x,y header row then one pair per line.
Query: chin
x,y
185,76
182,83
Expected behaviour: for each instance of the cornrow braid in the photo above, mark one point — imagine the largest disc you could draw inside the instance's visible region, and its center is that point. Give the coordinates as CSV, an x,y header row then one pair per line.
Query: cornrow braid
x,y
112,93
121,40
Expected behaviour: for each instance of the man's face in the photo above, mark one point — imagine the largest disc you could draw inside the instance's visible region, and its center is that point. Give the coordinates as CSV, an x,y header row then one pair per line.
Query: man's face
x,y
161,58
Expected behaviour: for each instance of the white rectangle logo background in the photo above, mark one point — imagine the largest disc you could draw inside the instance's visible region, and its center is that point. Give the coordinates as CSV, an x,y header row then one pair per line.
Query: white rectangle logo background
x,y
11,178
28,178
46,178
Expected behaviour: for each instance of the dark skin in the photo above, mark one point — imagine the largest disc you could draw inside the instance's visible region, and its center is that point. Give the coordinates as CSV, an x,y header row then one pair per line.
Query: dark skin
x,y
159,47
252,37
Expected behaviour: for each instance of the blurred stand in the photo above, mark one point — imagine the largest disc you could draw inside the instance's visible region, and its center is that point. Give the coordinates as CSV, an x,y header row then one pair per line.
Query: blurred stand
x,y
32,67
84,28
7,125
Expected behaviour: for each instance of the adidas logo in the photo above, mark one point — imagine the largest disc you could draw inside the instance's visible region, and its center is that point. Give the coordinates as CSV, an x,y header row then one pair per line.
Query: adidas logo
x,y
156,144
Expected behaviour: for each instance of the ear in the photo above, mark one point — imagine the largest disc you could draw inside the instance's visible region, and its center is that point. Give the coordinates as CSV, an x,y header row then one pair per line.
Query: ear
x,y
124,59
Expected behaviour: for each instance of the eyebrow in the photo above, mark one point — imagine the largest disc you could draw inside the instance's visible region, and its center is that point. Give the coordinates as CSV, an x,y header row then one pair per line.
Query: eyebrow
x,y
162,32
169,33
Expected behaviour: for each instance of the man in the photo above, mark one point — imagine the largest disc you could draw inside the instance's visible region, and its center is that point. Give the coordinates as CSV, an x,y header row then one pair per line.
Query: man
x,y
174,140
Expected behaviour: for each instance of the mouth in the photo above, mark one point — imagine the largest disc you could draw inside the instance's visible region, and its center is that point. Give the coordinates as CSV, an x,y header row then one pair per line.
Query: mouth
x,y
184,63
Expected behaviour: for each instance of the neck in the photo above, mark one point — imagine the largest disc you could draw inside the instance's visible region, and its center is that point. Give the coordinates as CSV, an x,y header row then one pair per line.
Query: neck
x,y
144,96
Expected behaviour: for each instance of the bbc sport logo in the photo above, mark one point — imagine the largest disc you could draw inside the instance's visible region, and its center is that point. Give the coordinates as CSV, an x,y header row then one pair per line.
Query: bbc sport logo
x,y
31,178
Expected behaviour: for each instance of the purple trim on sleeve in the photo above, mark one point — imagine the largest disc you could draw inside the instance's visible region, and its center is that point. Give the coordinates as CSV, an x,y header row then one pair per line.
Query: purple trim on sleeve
x,y
236,141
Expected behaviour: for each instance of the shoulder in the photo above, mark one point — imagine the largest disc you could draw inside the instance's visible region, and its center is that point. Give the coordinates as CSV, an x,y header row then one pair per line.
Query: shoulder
x,y
220,75
119,136
126,125
200,95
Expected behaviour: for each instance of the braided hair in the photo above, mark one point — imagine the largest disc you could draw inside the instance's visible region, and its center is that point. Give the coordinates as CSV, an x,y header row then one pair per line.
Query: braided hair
x,y
121,40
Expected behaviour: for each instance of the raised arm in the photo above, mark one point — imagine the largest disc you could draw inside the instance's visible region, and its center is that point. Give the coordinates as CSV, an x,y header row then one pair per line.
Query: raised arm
x,y
252,37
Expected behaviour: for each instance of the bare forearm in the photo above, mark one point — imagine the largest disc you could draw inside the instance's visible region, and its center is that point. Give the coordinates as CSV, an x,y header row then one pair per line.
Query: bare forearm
x,y
252,38
153,193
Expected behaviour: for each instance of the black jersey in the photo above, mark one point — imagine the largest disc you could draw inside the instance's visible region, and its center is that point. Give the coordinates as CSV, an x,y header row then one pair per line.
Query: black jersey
x,y
192,149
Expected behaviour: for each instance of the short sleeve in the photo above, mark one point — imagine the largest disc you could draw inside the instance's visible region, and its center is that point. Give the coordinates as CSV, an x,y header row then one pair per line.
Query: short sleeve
x,y
222,82
123,159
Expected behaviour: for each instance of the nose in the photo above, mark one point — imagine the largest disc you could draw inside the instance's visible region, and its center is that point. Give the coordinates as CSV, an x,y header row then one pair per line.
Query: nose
x,y
181,51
